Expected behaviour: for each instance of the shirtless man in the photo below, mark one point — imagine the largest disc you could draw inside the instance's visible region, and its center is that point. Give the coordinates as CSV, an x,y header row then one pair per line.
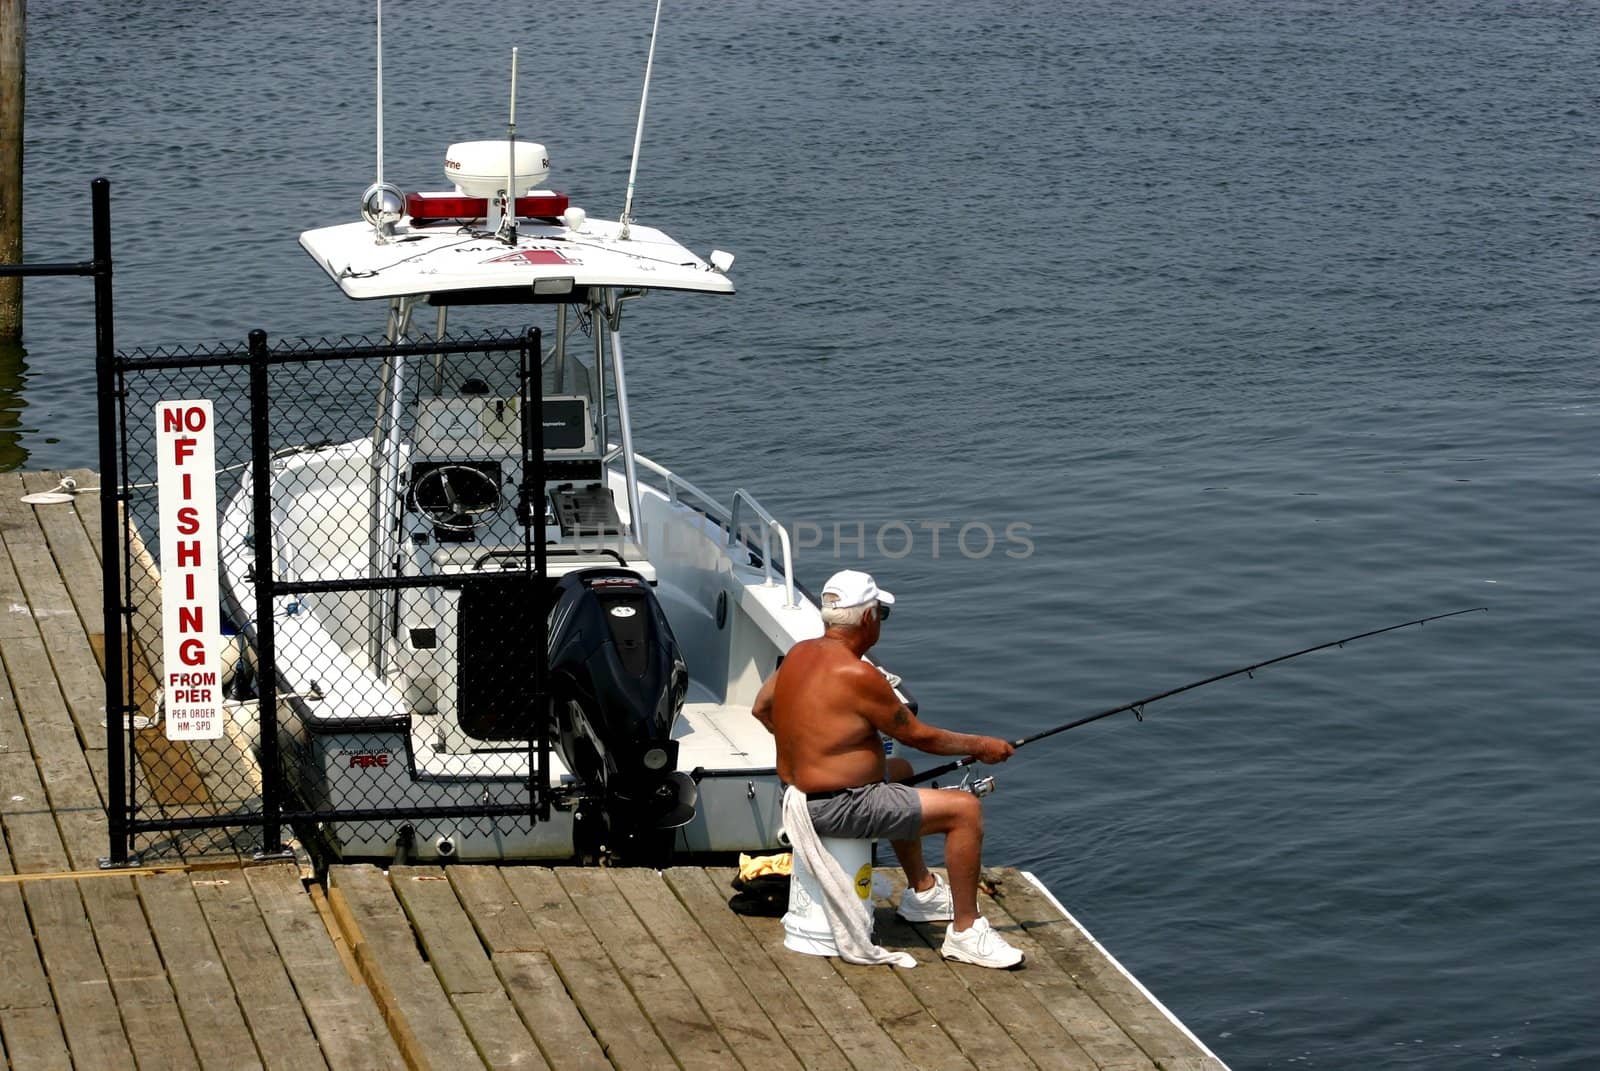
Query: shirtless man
x,y
826,707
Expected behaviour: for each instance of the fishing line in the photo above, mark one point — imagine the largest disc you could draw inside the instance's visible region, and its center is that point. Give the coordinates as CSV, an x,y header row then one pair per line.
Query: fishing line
x,y
1137,706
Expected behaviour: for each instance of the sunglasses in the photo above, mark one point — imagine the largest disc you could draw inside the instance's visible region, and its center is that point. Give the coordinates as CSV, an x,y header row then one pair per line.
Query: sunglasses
x,y
883,612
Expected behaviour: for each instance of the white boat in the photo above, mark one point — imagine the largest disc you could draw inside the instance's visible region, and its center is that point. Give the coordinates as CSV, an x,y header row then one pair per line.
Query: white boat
x,y
668,609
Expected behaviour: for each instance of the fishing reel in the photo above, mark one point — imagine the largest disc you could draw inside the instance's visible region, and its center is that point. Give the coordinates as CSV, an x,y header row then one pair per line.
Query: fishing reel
x,y
978,786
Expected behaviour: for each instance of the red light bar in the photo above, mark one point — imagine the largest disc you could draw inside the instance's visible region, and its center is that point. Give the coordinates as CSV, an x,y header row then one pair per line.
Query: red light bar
x,y
427,207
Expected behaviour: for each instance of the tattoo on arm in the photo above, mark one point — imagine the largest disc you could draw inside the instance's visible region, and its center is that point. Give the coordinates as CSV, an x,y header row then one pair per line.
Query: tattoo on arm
x,y
901,717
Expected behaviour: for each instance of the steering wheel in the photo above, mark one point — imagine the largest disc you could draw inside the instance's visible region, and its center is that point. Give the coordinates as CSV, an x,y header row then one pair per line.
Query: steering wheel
x,y
455,497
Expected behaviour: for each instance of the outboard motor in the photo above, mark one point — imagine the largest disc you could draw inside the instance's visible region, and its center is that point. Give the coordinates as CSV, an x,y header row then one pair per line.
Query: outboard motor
x,y
617,683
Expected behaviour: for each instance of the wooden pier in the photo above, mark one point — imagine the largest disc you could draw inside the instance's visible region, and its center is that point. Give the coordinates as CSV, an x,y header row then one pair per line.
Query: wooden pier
x,y
202,960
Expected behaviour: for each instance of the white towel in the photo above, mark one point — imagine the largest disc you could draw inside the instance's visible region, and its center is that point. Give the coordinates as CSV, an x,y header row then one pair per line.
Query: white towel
x,y
839,900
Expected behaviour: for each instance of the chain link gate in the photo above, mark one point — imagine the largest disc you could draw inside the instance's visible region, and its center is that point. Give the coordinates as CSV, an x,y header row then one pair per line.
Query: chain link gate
x,y
382,571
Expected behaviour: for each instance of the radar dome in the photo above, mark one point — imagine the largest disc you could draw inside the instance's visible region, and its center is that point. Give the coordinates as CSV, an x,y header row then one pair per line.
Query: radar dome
x,y
478,168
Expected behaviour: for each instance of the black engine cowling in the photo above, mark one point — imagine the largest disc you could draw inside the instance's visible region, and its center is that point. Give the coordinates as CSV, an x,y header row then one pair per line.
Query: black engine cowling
x,y
617,684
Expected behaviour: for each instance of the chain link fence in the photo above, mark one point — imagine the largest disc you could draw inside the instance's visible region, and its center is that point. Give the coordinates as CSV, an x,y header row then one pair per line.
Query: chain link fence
x,y
380,560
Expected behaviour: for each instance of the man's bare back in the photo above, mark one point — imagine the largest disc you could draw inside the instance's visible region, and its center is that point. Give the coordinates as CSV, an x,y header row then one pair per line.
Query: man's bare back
x,y
823,712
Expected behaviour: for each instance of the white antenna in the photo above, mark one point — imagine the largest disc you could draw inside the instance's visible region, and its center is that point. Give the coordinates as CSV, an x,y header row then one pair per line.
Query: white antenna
x,y
382,205
508,213
380,93
638,133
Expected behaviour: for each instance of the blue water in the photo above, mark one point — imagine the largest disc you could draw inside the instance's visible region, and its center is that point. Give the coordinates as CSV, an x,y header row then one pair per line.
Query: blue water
x,y
1272,322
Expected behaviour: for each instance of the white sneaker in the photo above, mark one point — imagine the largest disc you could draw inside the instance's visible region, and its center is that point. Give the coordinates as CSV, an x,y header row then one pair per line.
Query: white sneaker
x,y
931,905
979,944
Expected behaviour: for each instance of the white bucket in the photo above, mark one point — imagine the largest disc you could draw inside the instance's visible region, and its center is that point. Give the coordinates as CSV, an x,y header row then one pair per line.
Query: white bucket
x,y
805,925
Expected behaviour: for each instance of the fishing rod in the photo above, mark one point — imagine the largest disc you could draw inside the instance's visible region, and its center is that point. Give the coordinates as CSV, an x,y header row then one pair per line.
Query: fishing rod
x,y
1138,705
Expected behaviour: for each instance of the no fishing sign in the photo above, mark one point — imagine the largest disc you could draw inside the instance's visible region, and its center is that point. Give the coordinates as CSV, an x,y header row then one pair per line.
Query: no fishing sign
x,y
191,633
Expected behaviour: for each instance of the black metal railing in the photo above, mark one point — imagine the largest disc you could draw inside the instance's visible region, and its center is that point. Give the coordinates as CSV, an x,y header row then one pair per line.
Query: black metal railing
x,y
99,268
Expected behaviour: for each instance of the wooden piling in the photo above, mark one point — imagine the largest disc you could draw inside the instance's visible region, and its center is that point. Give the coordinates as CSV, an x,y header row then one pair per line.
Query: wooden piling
x,y
13,81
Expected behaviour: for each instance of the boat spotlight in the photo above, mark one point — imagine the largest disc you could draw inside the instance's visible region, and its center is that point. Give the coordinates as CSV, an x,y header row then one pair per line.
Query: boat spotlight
x,y
654,759
382,206
562,285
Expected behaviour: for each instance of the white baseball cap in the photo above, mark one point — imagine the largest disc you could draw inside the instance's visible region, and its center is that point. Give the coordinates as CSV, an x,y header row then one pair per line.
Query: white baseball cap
x,y
855,588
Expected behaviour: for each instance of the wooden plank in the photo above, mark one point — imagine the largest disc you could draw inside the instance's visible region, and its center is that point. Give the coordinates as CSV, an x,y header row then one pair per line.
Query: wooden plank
x,y
7,874
347,1023
171,777
86,506
1019,1002
464,969
272,1011
144,676
834,1005
853,1026
702,900
96,758
1112,992
138,977
616,1019
983,1038
447,935
92,875
319,900
1099,1037
194,966
33,1039
28,825
31,836
497,1031
76,559
526,973
11,483
889,999
671,1005
546,1008
409,995
496,914
47,602
78,981
13,737
139,680
405,1038
28,1023
737,1014
53,739
30,1033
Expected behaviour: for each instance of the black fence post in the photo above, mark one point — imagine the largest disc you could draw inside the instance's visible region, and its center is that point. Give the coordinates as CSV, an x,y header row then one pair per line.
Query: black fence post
x,y
533,499
266,655
112,495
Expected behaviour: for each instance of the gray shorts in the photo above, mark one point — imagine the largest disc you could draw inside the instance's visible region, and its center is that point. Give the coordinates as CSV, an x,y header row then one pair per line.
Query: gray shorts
x,y
882,809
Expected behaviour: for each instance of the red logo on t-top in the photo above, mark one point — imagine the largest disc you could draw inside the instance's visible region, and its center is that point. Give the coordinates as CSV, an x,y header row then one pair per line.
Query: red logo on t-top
x,y
531,256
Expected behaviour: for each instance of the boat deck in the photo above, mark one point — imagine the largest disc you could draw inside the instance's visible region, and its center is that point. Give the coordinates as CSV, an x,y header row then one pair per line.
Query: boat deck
x,y
204,960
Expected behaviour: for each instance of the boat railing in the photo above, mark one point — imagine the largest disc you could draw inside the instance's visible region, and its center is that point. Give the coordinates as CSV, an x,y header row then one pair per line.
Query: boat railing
x,y
678,488
680,492
743,498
